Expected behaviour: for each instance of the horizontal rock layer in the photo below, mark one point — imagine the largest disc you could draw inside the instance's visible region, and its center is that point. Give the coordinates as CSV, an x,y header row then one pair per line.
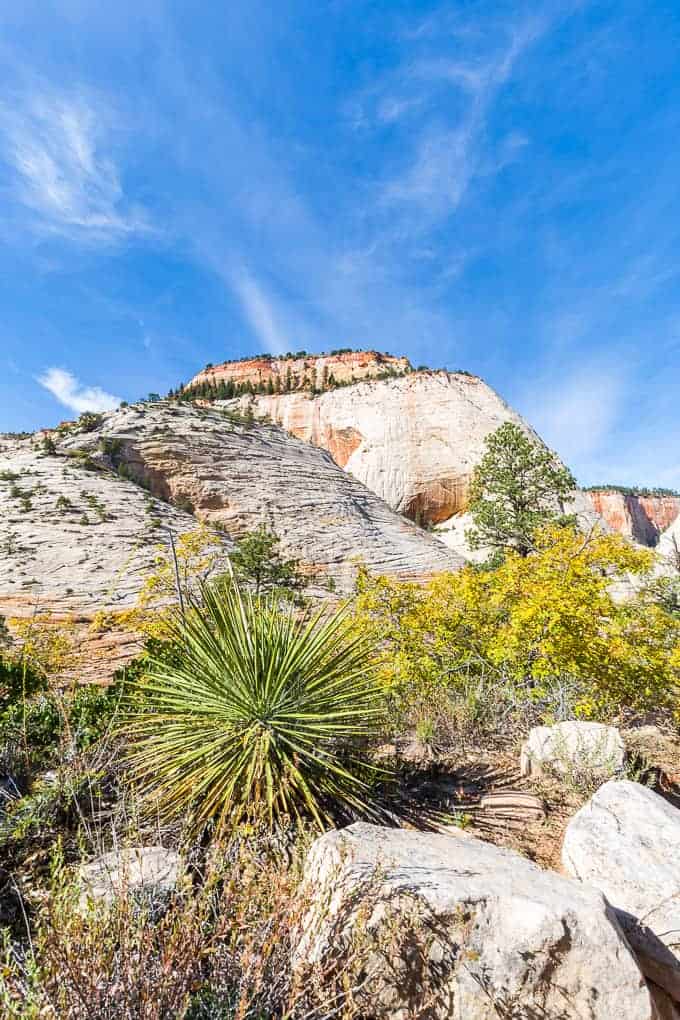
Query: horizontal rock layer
x,y
318,371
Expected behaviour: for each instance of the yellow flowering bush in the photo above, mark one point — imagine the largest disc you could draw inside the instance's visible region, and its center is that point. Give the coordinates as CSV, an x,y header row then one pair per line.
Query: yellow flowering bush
x,y
529,622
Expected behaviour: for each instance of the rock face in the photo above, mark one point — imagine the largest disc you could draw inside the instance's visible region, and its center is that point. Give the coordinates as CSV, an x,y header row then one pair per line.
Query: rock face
x,y
76,539
573,745
238,475
640,518
669,548
626,842
413,440
297,373
151,870
475,931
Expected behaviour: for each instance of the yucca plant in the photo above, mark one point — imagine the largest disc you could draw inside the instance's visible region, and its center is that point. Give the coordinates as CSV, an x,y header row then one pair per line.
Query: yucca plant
x,y
263,712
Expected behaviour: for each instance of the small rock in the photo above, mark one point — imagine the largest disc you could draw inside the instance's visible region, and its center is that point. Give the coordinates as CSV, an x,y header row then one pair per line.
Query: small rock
x,y
474,931
626,842
513,804
573,745
148,870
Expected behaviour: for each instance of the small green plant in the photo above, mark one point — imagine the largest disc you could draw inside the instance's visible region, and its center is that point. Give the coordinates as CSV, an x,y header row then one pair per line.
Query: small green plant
x,y
426,732
263,714
64,503
89,421
258,564
112,448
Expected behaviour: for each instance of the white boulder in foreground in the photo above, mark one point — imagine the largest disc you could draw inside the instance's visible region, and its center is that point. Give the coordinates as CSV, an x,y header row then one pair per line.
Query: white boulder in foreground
x,y
573,745
465,929
149,870
626,842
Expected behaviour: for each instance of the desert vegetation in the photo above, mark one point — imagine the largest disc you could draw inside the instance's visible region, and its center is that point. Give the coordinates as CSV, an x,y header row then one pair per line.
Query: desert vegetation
x,y
255,717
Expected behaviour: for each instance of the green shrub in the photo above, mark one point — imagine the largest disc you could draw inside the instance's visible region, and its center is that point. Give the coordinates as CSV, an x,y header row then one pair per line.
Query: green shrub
x,y
262,713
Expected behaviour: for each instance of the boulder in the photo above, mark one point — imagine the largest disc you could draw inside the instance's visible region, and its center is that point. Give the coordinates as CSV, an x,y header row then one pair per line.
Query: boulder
x,y
571,746
463,930
150,871
626,842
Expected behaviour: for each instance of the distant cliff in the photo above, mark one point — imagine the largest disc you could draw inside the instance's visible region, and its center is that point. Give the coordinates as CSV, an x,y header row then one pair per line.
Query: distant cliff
x,y
640,517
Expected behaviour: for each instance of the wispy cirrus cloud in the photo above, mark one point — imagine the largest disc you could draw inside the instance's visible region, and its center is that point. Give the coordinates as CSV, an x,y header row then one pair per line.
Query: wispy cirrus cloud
x,y
61,169
258,310
447,156
73,394
445,88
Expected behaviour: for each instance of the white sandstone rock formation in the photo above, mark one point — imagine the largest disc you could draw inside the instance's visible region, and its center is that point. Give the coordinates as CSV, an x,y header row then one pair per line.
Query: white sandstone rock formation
x,y
151,870
80,527
668,550
237,475
76,540
626,842
571,746
476,931
414,440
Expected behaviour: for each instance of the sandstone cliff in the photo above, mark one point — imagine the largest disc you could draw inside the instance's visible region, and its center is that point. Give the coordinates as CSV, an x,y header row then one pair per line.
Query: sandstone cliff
x,y
75,540
77,537
311,371
238,474
413,440
637,517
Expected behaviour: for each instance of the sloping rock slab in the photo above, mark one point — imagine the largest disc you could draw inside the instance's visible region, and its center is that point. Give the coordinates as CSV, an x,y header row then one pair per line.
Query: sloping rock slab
x,y
573,744
465,931
150,870
626,842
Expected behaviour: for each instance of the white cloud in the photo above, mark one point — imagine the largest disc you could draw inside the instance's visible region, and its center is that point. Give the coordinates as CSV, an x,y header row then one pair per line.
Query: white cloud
x,y
448,156
55,147
70,392
259,312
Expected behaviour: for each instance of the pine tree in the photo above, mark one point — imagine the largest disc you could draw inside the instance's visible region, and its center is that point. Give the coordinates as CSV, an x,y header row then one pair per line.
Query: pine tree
x,y
257,563
518,487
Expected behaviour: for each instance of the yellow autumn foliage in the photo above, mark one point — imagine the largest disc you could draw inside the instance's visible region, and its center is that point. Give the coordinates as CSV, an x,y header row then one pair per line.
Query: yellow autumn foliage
x,y
198,554
46,645
532,621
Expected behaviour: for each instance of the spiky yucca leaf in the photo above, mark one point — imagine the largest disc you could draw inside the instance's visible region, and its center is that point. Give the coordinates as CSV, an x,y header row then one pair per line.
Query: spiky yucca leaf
x,y
260,714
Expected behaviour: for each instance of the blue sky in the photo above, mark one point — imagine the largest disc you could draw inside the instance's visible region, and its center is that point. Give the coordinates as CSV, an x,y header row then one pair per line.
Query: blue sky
x,y
478,185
